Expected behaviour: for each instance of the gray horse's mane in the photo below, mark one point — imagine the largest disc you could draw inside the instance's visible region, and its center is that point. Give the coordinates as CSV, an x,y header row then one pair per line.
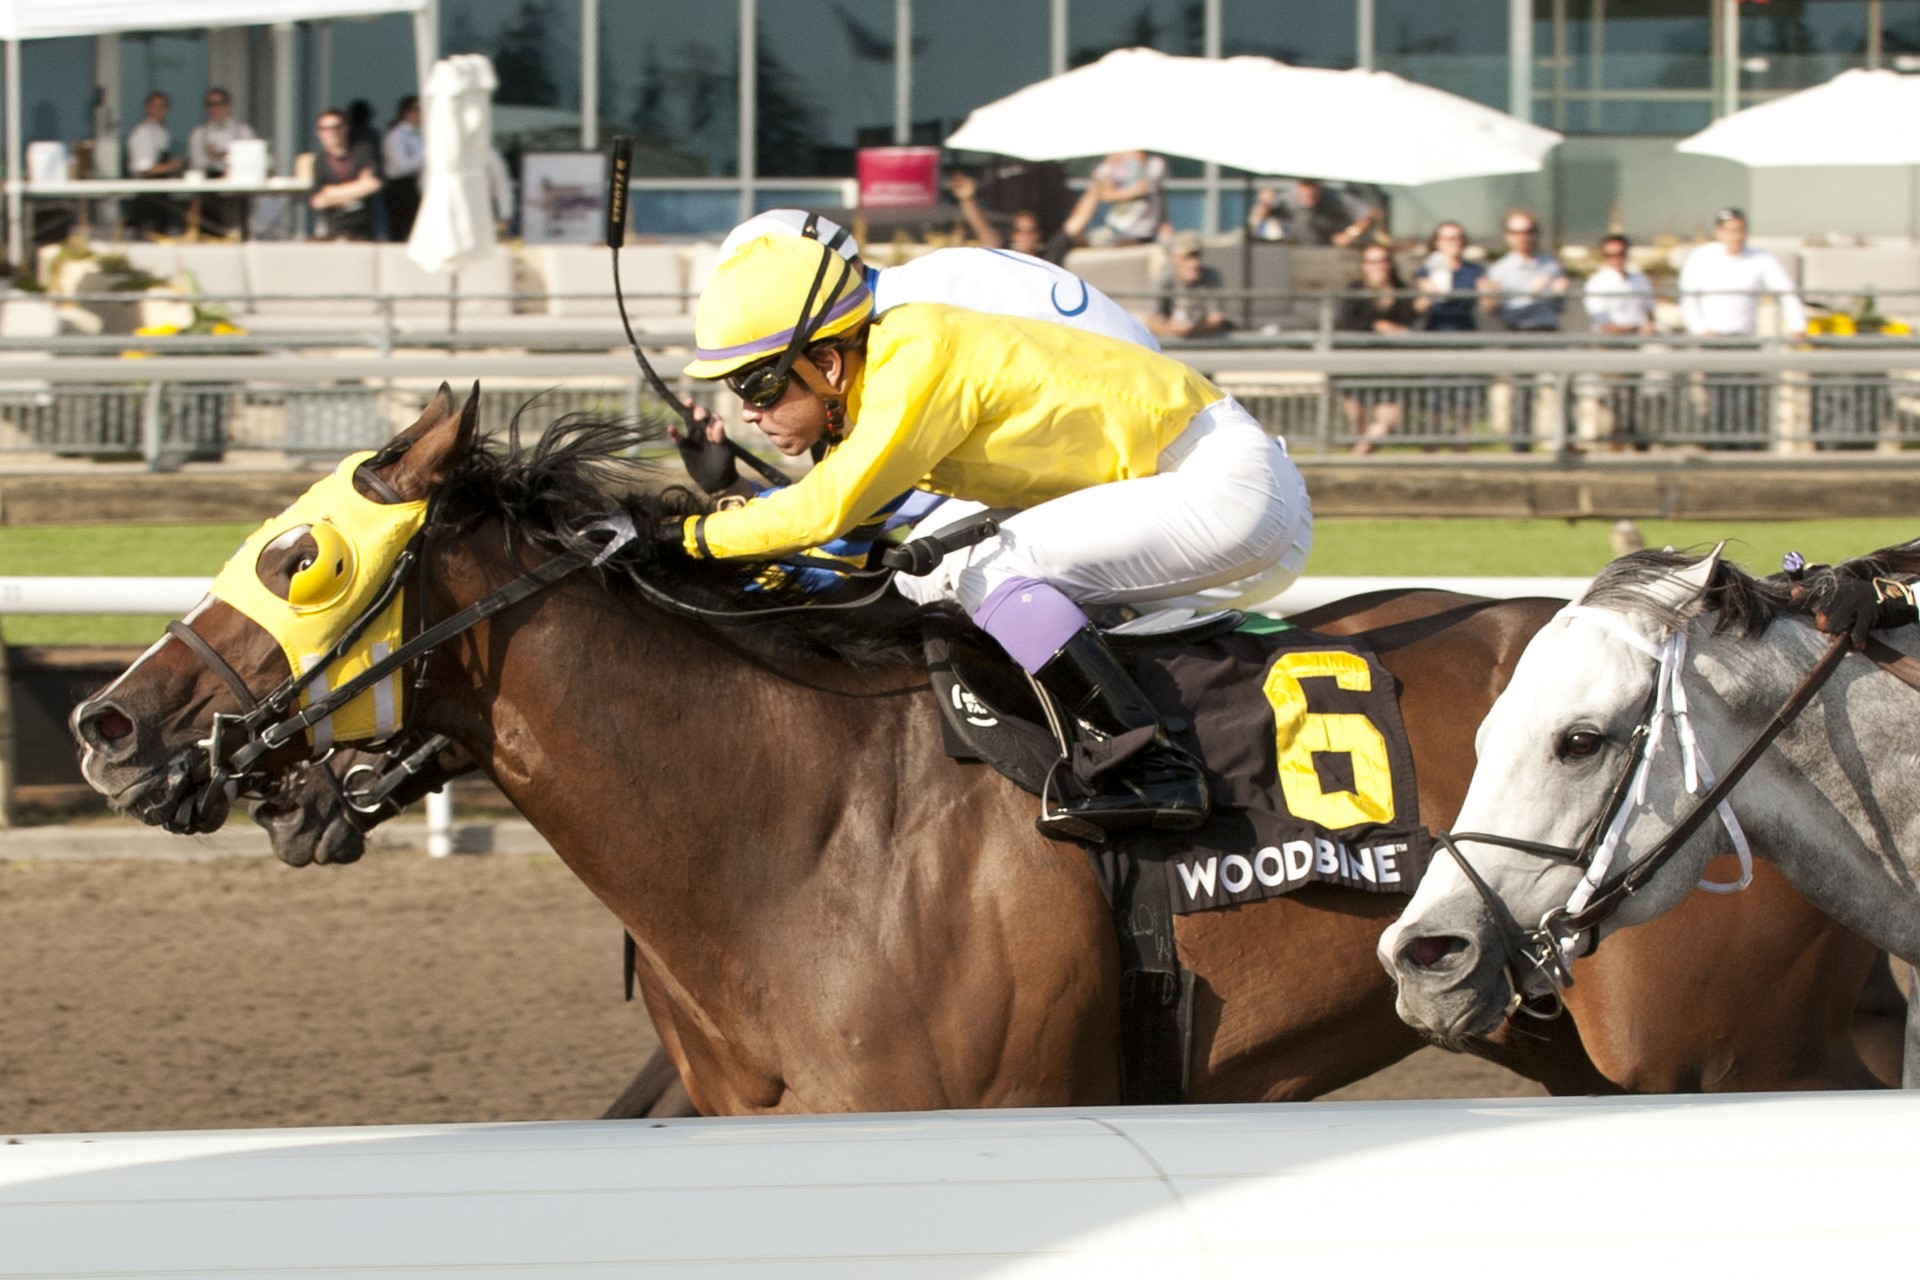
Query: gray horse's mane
x,y
1739,601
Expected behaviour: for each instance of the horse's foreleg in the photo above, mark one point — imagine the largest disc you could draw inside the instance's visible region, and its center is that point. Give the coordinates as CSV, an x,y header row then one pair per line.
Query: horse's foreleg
x,y
656,1093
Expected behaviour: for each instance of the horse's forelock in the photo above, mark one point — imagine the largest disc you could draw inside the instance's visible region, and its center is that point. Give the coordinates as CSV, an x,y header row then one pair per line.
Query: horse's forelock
x,y
1641,583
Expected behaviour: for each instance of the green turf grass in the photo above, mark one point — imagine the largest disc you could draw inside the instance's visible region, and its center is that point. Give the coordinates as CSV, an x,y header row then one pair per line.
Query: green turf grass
x,y
130,550
1554,548
1390,548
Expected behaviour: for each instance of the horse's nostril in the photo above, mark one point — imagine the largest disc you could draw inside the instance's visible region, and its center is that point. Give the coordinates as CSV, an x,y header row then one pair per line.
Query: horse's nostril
x,y
1430,950
112,725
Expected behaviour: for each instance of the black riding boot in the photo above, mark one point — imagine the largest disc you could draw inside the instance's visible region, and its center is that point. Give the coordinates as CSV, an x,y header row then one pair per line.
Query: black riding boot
x,y
1121,770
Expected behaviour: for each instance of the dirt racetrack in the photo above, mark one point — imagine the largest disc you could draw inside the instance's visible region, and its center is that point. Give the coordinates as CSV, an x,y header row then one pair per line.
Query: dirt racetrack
x,y
238,992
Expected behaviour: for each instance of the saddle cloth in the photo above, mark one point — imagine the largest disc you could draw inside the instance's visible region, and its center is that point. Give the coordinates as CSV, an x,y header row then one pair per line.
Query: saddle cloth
x,y
1305,755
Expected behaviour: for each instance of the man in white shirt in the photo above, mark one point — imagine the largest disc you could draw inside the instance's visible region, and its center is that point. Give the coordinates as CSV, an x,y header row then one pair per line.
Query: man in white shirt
x,y
150,155
1720,288
1721,284
1618,298
207,152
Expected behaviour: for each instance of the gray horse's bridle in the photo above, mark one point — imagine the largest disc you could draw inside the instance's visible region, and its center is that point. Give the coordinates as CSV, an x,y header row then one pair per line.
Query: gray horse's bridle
x,y
1550,947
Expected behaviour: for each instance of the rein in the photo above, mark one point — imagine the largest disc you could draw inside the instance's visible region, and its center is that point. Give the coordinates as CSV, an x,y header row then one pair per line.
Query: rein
x,y
235,745
1549,948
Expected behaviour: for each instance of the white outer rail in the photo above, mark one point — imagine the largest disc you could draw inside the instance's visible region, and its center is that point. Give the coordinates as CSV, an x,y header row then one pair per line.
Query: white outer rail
x,y
1760,1185
174,596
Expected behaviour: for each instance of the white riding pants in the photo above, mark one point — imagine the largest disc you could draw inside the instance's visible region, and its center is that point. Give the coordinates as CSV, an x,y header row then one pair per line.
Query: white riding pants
x,y
1223,524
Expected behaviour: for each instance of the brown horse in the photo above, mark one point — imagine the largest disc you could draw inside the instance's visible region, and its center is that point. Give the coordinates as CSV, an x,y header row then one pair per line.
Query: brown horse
x,y
829,914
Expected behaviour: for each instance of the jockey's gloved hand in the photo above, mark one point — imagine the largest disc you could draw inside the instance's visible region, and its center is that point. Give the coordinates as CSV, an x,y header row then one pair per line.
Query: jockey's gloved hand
x,y
670,539
1860,606
711,465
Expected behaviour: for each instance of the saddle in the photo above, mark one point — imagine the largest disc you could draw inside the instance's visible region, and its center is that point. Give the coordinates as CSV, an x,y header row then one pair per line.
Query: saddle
x,y
1306,758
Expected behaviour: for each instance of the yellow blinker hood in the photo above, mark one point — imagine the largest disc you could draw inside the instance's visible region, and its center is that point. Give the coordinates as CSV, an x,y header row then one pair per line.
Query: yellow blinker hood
x,y
358,541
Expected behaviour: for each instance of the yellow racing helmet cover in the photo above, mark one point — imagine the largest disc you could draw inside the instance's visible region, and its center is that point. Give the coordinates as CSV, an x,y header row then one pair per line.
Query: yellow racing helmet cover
x,y
751,305
357,541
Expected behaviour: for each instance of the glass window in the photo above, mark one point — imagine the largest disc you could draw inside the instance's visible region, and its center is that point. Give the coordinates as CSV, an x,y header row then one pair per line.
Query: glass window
x,y
1794,44
1306,33
670,76
56,92
1460,47
1900,34
535,47
373,61
1098,27
967,55
1656,44
825,85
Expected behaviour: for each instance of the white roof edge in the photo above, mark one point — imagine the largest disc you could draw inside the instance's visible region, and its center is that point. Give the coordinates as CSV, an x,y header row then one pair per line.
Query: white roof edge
x,y
46,19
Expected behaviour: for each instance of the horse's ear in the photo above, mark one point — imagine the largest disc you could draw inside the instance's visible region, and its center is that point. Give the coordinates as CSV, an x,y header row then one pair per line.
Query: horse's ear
x,y
1698,576
419,458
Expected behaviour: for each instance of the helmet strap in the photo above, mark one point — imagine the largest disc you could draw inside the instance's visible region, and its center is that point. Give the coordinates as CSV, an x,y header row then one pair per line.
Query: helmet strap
x,y
815,380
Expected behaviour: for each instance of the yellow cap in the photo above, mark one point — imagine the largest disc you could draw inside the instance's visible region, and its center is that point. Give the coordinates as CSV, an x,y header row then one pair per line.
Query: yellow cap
x,y
750,307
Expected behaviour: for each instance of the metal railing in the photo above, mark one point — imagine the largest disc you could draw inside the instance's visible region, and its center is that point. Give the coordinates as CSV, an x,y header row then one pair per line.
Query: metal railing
x,y
169,409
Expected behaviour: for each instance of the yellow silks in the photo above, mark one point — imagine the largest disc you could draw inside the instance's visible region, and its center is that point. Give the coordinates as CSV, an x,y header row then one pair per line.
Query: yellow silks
x,y
357,542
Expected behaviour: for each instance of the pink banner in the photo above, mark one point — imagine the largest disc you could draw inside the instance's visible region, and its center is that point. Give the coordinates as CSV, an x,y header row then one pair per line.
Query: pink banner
x,y
898,177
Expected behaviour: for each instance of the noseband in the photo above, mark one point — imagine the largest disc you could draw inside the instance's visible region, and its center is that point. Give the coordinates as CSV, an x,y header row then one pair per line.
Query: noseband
x,y
1550,947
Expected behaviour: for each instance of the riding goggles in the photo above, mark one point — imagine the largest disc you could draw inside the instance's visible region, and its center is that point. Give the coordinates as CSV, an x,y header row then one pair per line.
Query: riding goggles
x,y
763,384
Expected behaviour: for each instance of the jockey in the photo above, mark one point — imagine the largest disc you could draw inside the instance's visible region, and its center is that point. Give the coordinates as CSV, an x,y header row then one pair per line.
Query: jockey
x,y
993,280
1126,478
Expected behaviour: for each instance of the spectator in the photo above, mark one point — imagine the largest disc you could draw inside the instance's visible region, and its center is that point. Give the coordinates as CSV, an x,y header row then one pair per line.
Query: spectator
x,y
1531,286
1447,283
402,155
1190,304
500,191
345,180
1720,288
207,152
1132,186
1618,298
1317,215
362,132
1377,302
208,143
1024,235
1721,284
150,155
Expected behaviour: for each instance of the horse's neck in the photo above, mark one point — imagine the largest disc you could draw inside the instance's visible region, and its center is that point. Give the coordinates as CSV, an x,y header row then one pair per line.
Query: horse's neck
x,y
650,752
1835,803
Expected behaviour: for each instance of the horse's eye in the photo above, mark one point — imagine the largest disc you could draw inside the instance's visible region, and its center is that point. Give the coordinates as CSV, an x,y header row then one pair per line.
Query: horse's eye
x,y
1577,744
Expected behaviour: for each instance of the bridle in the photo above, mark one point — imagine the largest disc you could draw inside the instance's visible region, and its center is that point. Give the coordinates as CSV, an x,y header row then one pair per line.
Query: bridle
x,y
1549,948
236,745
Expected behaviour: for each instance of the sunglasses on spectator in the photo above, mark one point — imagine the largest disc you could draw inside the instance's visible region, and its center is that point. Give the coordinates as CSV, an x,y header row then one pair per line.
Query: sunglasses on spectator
x,y
1522,231
216,102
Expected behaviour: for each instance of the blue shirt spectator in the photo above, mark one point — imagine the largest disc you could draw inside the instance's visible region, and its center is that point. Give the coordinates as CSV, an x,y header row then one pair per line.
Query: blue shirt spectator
x,y
1532,285
1448,283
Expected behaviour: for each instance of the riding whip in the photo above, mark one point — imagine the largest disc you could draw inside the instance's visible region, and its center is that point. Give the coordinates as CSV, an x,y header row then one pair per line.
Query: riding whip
x,y
619,170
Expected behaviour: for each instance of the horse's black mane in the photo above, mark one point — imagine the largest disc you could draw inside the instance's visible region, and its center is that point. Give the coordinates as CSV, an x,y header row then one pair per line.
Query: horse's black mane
x,y
583,466
1738,600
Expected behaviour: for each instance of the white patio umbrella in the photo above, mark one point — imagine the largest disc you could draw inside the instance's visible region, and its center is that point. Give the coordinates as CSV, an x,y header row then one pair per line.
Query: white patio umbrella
x,y
455,224
1258,115
1856,118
